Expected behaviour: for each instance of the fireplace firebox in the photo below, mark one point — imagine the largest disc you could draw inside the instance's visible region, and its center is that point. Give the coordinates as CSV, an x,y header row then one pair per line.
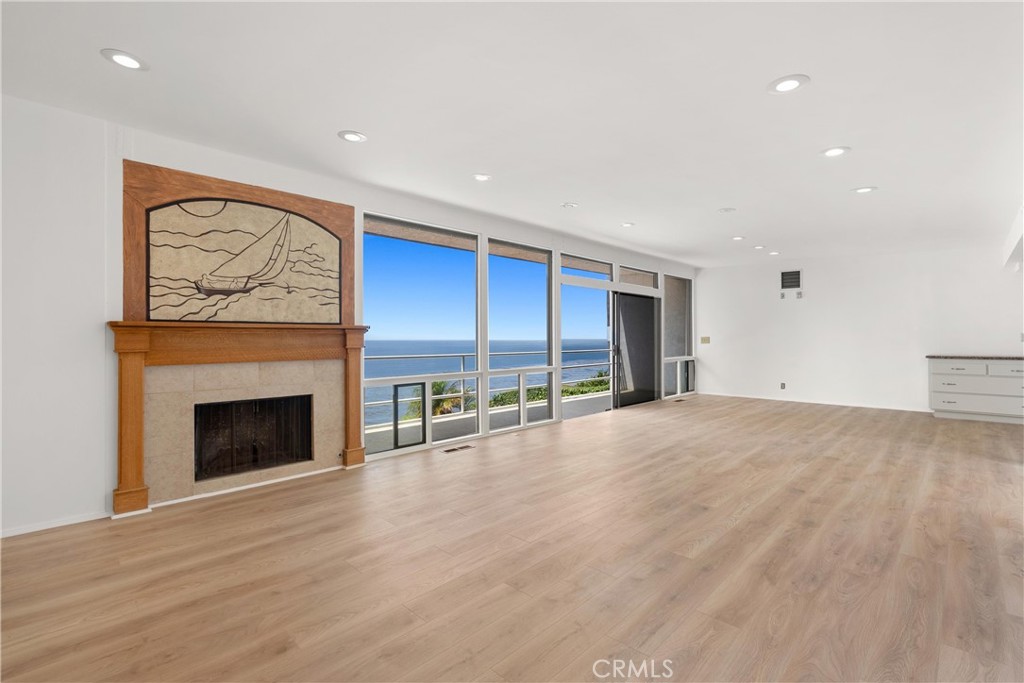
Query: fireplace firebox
x,y
240,436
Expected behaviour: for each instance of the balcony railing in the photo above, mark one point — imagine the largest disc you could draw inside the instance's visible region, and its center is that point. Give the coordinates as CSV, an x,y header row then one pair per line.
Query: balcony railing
x,y
518,395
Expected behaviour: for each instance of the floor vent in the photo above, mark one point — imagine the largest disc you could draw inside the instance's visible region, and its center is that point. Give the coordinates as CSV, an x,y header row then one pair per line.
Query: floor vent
x,y
457,448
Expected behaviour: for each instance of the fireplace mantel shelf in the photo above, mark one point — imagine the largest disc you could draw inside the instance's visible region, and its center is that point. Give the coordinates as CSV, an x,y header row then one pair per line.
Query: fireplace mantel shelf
x,y
142,343
174,343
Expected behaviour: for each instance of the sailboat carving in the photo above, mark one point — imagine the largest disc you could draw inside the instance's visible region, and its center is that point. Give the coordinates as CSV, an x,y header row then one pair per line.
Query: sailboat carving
x,y
256,265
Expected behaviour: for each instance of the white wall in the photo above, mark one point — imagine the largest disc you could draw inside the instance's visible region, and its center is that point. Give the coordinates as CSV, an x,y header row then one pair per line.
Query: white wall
x,y
56,395
860,334
62,191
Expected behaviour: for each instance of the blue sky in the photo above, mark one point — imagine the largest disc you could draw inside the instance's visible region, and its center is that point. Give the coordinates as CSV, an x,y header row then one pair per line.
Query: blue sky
x,y
420,291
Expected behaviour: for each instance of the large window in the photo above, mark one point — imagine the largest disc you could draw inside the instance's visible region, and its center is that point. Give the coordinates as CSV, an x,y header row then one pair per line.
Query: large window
x,y
419,300
518,296
461,342
586,351
679,368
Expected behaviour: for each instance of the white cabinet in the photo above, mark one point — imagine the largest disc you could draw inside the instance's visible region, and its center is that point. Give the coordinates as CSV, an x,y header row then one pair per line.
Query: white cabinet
x,y
977,388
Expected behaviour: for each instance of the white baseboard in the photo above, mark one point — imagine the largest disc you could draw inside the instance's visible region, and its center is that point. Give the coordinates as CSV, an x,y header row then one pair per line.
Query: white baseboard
x,y
77,519
52,524
816,403
131,514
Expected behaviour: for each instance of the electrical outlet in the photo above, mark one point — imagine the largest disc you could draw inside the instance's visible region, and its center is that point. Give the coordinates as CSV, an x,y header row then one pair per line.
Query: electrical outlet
x,y
782,385
799,295
705,340
782,295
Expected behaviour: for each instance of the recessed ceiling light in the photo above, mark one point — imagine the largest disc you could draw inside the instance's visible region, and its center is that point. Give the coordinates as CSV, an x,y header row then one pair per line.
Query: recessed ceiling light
x,y
835,151
864,190
773,253
122,58
759,246
570,205
351,136
628,225
788,83
726,209
482,177
737,238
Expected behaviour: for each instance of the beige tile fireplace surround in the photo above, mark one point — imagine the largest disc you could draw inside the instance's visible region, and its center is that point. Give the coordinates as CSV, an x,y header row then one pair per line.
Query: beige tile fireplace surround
x,y
172,392
166,368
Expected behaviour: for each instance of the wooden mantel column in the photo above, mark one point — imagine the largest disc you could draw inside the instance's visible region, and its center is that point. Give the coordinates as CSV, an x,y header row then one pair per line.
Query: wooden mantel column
x,y
131,493
354,454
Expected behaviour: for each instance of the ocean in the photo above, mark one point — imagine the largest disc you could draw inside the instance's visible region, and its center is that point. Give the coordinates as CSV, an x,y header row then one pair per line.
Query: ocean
x,y
460,354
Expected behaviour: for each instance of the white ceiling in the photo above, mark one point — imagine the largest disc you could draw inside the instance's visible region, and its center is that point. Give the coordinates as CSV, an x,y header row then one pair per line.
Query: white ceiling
x,y
656,114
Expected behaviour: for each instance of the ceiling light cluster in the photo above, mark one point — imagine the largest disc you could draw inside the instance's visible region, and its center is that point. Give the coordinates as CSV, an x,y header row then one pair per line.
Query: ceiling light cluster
x,y
783,85
788,84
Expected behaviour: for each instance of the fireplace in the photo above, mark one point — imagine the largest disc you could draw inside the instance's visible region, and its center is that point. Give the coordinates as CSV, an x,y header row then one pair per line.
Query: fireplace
x,y
240,436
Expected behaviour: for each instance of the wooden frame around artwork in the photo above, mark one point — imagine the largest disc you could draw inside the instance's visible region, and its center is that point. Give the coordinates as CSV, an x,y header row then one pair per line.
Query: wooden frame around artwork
x,y
147,187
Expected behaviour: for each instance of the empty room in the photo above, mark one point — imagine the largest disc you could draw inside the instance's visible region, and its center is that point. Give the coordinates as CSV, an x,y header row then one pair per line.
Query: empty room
x,y
512,341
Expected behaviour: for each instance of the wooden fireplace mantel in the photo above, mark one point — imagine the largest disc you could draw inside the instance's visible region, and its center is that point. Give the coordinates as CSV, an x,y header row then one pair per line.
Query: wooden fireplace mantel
x,y
141,343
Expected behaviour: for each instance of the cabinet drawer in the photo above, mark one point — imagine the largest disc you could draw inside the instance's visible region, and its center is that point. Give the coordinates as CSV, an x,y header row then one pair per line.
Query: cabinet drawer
x,y
958,367
974,403
1006,369
969,384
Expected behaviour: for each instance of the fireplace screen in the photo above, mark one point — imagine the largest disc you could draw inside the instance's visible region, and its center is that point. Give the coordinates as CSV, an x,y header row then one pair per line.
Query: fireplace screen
x,y
239,436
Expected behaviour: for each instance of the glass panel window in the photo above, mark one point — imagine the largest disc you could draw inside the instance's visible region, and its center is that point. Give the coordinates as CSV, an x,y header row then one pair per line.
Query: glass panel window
x,y
678,299
635,276
517,305
586,352
419,299
671,379
379,431
584,267
454,410
407,414
538,397
503,402
393,416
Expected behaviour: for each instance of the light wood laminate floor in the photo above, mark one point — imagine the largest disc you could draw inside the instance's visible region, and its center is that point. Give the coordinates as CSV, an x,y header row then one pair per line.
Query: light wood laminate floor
x,y
739,539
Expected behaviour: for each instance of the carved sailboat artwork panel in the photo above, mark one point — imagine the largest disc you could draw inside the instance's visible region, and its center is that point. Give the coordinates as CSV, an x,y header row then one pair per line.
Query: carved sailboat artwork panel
x,y
228,261
257,264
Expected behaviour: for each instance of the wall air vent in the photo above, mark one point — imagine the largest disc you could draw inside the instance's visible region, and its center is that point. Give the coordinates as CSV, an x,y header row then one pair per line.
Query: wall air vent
x,y
791,279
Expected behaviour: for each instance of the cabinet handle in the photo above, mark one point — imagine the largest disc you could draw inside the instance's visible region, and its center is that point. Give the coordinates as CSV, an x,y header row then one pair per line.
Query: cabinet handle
x,y
949,401
949,384
958,368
